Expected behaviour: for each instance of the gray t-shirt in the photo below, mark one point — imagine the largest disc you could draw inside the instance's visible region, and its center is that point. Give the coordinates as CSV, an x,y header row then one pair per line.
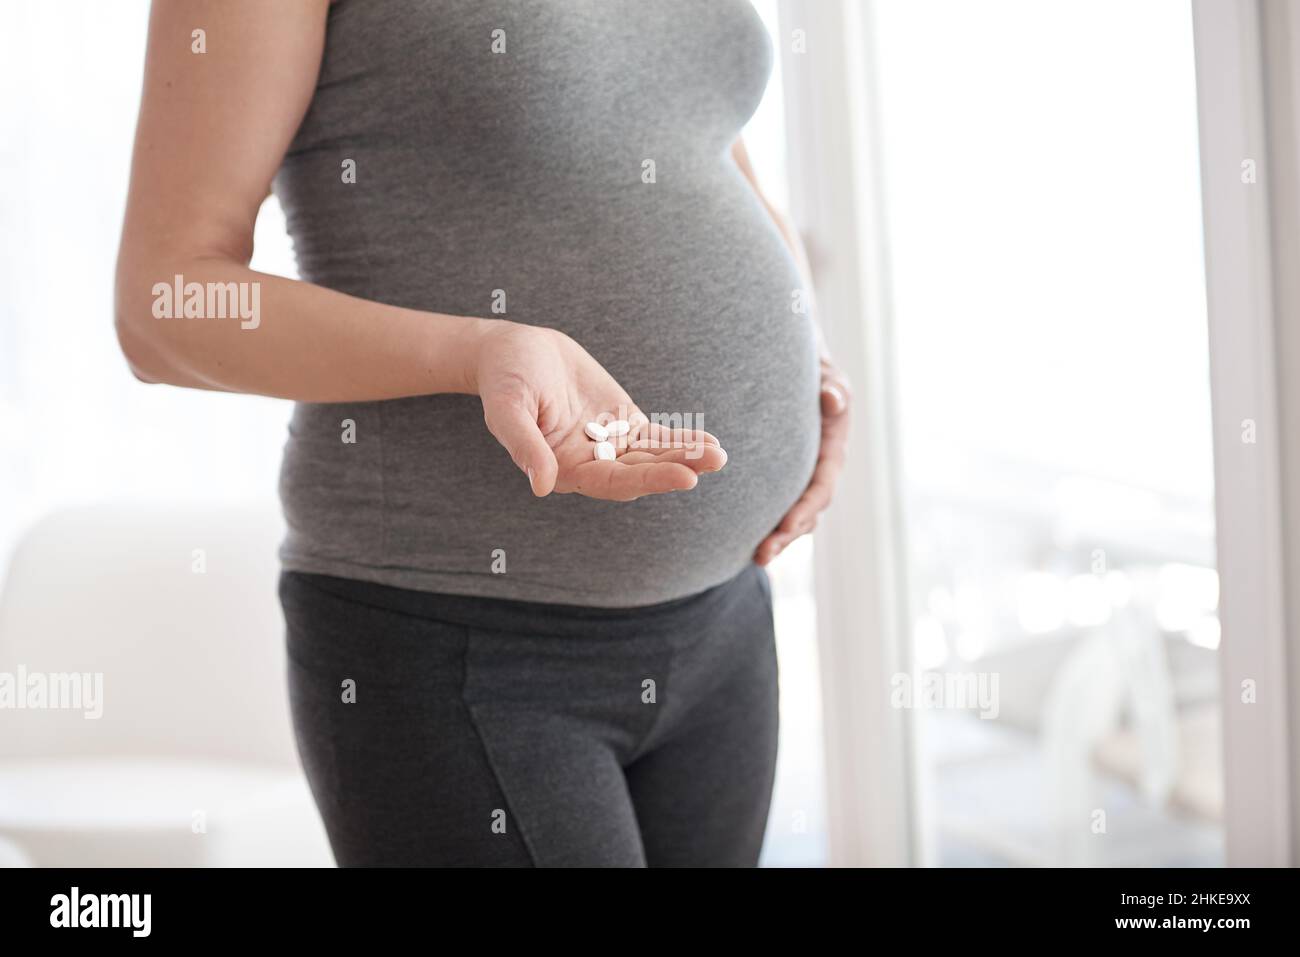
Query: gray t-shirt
x,y
570,159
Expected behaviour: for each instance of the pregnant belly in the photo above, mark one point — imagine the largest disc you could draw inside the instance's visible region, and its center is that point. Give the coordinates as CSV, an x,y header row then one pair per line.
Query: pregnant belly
x,y
686,298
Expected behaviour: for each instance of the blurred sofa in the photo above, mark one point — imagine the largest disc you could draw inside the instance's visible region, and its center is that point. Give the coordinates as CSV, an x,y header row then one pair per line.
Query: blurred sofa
x,y
171,613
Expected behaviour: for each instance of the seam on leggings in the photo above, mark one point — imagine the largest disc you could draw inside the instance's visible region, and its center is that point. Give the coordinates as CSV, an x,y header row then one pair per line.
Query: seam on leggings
x,y
487,754
639,750
764,597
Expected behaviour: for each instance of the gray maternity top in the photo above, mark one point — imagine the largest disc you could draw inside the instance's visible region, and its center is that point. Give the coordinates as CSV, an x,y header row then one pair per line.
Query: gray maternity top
x,y
570,158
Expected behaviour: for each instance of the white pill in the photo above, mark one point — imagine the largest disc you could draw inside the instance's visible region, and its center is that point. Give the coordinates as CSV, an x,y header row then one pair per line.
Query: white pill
x,y
605,451
619,427
596,431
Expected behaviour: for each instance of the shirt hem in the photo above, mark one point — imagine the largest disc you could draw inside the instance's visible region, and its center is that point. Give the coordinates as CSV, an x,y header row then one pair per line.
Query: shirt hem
x,y
484,586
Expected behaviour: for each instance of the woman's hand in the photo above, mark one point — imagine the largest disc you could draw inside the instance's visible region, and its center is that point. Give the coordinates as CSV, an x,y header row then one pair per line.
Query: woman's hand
x,y
802,517
540,389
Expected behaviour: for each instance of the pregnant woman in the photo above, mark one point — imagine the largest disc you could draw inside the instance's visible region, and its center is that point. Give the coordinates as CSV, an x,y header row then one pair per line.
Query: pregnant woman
x,y
512,218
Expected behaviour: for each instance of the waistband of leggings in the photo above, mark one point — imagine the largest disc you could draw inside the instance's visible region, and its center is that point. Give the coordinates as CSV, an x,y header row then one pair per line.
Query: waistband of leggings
x,y
526,617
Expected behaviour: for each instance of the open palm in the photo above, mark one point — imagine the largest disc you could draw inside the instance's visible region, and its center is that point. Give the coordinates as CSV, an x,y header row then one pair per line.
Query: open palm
x,y
540,389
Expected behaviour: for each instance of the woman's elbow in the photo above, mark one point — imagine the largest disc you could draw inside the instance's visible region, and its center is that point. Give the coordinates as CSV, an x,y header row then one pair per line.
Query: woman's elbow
x,y
137,356
135,339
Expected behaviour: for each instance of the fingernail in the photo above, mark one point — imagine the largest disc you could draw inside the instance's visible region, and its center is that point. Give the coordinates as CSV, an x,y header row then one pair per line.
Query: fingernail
x,y
531,486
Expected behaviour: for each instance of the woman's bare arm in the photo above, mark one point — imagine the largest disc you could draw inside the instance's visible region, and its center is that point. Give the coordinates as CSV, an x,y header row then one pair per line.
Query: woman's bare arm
x,y
212,132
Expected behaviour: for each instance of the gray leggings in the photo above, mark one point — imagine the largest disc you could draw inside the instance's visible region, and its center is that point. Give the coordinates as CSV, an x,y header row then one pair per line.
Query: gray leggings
x,y
450,730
